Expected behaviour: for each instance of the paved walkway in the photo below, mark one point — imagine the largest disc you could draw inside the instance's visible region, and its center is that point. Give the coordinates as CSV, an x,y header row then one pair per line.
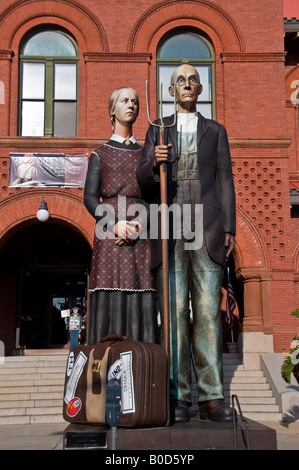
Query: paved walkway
x,y
287,434
50,436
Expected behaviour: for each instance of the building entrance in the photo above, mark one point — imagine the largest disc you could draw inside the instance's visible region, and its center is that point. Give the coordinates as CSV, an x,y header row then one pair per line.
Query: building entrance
x,y
46,293
45,270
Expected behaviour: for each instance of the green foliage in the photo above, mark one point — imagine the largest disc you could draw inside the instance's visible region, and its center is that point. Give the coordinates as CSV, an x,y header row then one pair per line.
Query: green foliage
x,y
287,369
295,313
290,366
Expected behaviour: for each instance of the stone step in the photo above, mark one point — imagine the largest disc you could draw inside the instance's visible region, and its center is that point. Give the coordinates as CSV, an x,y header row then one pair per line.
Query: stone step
x,y
27,419
30,396
35,359
30,403
6,420
243,373
31,382
21,378
227,368
263,417
23,371
231,357
243,380
250,393
234,387
31,389
256,407
6,409
45,352
244,401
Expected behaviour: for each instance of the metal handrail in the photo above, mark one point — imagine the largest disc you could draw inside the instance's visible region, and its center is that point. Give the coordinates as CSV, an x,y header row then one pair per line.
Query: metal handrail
x,y
235,397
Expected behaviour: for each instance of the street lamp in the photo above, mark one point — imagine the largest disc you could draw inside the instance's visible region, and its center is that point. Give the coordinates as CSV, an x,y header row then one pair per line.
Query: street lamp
x,y
42,213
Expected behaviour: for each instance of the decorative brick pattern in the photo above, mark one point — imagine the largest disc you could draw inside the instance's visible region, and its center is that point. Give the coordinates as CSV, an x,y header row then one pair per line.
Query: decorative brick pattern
x,y
259,194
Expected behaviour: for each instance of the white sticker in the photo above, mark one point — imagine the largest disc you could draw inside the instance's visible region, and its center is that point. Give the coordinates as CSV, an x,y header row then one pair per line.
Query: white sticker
x,y
71,385
115,370
127,384
70,363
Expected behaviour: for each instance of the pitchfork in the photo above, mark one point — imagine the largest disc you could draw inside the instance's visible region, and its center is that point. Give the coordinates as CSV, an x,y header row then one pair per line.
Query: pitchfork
x,y
164,218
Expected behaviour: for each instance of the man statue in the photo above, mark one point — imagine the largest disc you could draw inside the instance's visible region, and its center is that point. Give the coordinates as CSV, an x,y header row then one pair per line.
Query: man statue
x,y
199,174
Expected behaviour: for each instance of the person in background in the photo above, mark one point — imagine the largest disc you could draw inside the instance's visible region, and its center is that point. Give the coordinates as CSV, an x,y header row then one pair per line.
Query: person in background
x,y
73,324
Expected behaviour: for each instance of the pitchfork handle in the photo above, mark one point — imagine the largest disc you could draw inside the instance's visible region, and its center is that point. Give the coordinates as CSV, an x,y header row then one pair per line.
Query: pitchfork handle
x,y
164,233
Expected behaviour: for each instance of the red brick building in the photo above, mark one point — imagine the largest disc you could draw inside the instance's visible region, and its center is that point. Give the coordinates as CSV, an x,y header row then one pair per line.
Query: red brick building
x,y
248,59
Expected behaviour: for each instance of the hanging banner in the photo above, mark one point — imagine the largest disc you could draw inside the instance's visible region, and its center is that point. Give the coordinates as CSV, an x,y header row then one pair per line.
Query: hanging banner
x,y
47,169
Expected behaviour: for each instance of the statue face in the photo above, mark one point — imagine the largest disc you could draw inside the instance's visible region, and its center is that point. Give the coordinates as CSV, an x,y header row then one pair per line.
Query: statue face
x,y
188,87
126,108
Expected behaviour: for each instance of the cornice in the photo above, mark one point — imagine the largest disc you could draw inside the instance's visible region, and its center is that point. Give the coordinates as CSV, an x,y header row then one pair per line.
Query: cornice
x,y
88,142
117,57
259,143
254,274
50,142
253,56
6,54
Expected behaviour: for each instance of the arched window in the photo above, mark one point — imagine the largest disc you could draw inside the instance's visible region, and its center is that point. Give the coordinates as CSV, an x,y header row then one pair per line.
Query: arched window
x,y
181,48
48,84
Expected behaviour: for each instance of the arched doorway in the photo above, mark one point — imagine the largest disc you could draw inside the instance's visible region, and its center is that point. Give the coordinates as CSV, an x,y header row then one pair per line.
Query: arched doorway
x,y
48,271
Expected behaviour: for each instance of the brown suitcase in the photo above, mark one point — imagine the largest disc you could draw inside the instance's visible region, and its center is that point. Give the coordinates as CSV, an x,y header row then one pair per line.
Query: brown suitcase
x,y
143,372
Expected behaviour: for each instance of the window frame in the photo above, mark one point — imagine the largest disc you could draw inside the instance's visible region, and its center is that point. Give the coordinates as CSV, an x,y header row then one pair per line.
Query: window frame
x,y
195,62
49,81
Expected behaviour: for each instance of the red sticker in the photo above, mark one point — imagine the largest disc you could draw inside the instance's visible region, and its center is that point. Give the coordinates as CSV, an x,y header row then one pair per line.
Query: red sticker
x,y
73,407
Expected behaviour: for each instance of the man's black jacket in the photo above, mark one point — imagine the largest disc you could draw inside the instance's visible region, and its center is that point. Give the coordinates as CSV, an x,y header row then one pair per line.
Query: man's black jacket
x,y
216,181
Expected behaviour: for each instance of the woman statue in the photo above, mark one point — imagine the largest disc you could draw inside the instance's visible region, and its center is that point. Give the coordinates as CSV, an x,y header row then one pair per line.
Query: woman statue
x,y
122,296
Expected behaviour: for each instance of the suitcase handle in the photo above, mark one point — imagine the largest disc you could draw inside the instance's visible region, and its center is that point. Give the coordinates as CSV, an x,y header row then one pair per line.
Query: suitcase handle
x,y
115,337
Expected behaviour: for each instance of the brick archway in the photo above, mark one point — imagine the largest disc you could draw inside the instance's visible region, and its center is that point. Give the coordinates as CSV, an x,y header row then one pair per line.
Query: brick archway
x,y
202,16
250,249
22,16
22,208
203,11
253,270
71,12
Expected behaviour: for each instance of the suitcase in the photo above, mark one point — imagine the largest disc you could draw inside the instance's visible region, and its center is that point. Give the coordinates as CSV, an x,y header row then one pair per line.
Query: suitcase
x,y
142,369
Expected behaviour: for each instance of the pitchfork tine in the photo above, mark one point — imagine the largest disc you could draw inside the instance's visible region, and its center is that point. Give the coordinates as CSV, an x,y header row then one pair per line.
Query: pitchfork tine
x,y
162,125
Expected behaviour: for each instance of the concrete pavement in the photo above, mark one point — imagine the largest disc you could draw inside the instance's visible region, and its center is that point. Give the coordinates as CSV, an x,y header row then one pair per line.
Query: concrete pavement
x,y
32,436
287,434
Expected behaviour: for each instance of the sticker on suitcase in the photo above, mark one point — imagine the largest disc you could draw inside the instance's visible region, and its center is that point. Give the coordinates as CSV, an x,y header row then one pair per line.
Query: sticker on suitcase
x,y
122,369
115,370
77,369
73,407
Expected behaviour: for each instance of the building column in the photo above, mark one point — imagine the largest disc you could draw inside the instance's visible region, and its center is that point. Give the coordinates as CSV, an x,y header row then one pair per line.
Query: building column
x,y
257,333
5,61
